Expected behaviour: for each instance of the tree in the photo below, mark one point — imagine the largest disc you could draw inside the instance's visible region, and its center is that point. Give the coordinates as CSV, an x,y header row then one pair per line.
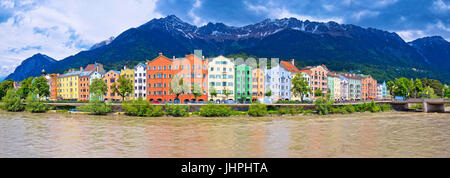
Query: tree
x,y
196,91
403,87
123,87
418,88
12,101
268,93
40,87
25,87
300,86
391,87
226,93
318,93
435,84
429,92
178,86
212,91
446,91
98,88
5,86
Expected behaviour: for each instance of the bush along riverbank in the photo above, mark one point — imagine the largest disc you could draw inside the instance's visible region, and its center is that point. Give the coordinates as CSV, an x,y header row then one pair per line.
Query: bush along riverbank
x,y
143,108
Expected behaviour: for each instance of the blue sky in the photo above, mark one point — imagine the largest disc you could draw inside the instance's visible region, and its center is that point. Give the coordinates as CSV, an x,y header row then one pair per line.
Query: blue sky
x,y
60,28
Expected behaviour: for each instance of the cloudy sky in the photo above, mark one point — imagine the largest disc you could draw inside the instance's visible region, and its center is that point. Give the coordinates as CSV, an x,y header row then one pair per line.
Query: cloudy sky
x,y
59,28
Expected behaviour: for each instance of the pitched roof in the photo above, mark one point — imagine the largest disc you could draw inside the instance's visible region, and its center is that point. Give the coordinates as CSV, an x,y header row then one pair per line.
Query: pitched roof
x,y
289,67
70,74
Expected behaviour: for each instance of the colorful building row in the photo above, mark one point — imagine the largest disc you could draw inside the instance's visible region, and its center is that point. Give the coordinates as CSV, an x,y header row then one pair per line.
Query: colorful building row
x,y
229,80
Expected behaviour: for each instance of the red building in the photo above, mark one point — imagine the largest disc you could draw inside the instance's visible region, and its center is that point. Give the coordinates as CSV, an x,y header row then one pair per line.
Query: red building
x,y
159,76
161,70
194,70
52,81
368,88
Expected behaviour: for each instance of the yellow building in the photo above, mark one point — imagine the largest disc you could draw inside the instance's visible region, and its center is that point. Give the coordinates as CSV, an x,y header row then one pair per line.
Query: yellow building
x,y
128,74
258,84
68,86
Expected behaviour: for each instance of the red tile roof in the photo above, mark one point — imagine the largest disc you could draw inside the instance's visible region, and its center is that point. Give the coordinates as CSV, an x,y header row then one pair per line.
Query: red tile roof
x,y
289,67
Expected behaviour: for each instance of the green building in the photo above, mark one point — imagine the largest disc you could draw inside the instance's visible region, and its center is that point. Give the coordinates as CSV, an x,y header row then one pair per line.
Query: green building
x,y
243,84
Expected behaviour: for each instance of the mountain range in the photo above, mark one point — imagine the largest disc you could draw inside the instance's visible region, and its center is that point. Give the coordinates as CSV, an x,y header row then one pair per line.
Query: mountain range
x,y
342,47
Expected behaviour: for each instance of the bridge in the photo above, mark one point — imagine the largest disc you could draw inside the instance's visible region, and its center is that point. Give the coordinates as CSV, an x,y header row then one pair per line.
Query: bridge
x,y
429,105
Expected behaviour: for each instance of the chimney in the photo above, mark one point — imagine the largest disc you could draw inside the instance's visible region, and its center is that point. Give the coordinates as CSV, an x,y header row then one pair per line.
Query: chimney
x,y
293,62
124,67
173,58
160,54
81,69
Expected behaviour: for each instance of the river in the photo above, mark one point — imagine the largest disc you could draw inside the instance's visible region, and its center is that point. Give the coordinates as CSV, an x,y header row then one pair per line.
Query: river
x,y
393,134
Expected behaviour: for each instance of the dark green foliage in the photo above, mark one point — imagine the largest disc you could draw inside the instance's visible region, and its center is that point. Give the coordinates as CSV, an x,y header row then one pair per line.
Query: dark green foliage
x,y
350,108
25,87
40,86
257,110
323,106
12,101
177,110
292,110
96,108
141,107
5,86
212,110
385,107
33,104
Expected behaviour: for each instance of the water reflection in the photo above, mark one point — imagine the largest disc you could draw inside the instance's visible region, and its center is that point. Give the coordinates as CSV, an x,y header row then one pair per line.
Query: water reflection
x,y
363,135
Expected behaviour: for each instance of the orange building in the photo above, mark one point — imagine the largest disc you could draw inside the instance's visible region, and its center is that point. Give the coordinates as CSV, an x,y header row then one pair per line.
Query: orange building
x,y
83,82
368,88
110,78
52,80
194,70
319,78
159,77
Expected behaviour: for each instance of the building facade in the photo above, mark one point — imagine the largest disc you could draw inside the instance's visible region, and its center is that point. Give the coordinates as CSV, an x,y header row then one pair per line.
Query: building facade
x,y
344,88
84,81
129,75
140,81
111,79
92,97
368,87
334,86
354,87
243,90
278,80
194,70
319,79
290,67
159,77
53,83
221,78
68,88
258,84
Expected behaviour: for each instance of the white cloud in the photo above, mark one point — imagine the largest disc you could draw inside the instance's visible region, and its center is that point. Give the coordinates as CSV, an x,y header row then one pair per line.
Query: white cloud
x,y
278,13
196,19
364,14
62,28
440,6
8,4
410,35
384,3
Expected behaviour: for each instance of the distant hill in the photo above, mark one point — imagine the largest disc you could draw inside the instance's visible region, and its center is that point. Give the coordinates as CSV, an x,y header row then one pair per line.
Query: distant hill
x,y
341,47
32,67
435,50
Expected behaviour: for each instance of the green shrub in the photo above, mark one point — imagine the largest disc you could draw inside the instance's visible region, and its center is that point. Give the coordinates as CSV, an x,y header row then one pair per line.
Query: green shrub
x,y
385,107
272,112
12,102
338,110
35,105
96,108
141,107
177,110
239,113
212,110
309,111
293,110
350,108
257,110
323,106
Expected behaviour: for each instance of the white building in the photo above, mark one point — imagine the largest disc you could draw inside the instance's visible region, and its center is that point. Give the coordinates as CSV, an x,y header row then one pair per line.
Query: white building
x,y
221,77
140,81
278,80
